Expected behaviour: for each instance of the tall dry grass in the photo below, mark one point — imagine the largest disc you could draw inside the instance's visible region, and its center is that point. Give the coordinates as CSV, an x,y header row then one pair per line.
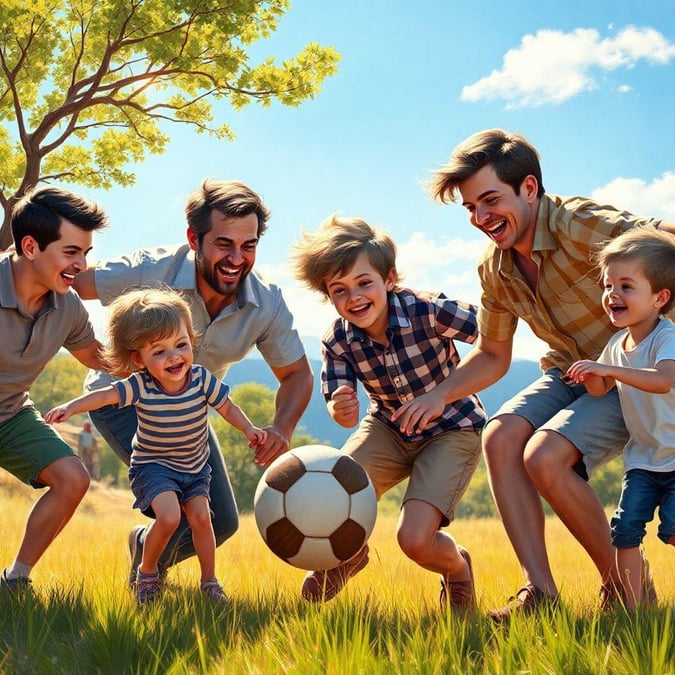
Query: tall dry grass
x,y
83,618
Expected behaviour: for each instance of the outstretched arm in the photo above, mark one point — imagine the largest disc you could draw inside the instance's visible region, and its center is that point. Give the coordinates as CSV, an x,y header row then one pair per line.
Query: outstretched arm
x,y
486,363
599,378
90,401
233,414
295,389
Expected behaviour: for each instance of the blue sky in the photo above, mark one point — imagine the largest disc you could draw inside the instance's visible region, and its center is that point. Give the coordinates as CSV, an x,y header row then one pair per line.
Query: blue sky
x,y
591,84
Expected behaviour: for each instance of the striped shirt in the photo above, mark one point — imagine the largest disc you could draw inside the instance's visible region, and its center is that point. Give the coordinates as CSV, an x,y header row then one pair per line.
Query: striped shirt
x,y
172,428
420,353
566,310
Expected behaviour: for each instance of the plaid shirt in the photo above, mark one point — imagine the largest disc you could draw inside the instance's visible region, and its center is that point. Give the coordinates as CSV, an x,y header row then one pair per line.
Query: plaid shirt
x,y
420,353
566,310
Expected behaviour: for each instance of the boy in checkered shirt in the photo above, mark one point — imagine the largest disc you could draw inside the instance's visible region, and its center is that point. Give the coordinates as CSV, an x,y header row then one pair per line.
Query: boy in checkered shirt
x,y
399,344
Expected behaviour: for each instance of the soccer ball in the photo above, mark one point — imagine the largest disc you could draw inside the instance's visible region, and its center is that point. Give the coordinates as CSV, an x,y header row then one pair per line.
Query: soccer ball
x,y
315,507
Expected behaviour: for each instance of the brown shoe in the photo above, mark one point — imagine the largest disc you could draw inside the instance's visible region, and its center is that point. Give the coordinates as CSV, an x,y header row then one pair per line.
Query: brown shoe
x,y
527,600
461,594
324,585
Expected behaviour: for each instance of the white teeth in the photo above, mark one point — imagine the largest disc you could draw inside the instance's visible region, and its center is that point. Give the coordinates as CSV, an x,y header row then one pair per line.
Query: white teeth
x,y
497,226
68,276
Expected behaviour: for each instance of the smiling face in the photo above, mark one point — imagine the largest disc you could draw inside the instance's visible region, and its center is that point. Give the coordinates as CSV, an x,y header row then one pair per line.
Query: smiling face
x,y
55,268
168,360
628,298
226,255
360,297
496,210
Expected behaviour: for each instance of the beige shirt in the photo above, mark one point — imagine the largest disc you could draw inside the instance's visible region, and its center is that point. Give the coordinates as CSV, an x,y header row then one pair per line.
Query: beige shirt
x,y
565,311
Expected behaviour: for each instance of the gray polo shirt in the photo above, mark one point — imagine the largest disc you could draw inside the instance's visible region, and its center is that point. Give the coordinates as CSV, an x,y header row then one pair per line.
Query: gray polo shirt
x,y
29,342
259,318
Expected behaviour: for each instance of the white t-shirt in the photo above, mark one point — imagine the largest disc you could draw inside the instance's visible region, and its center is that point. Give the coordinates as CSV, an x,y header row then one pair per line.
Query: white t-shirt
x,y
650,418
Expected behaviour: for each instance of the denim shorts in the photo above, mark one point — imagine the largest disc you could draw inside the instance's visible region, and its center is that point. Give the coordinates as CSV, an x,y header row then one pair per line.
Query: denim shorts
x,y
642,491
150,480
594,425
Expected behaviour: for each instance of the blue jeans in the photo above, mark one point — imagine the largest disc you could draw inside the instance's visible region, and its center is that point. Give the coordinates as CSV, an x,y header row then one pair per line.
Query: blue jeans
x,y
118,426
642,491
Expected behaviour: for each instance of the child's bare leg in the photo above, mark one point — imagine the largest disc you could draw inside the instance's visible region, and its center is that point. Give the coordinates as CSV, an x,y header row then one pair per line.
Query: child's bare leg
x,y
198,516
167,517
629,564
422,541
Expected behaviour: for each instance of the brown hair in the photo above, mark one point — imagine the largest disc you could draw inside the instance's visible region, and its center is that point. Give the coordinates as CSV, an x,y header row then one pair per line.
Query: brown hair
x,y
512,157
334,247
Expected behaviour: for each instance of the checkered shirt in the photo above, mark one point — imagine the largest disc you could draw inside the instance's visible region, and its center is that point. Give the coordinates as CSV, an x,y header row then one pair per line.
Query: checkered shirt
x,y
420,353
566,310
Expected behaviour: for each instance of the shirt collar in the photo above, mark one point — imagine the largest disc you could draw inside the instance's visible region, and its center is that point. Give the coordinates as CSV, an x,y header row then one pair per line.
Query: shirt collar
x,y
543,239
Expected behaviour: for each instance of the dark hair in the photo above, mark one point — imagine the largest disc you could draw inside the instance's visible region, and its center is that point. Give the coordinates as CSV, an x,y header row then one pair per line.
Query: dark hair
x,y
231,198
39,213
512,156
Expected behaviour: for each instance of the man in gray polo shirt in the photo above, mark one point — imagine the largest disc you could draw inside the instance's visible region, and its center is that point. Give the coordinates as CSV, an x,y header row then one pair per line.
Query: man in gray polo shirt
x,y
233,310
39,314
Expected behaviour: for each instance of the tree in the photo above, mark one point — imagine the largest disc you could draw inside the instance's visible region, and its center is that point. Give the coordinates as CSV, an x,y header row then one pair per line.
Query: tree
x,y
86,85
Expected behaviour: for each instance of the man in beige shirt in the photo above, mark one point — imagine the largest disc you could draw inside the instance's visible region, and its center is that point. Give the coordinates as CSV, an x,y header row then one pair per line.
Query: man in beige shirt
x,y
548,438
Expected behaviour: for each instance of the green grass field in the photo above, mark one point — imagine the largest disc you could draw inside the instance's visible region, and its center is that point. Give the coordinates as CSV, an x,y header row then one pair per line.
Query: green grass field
x,y
82,618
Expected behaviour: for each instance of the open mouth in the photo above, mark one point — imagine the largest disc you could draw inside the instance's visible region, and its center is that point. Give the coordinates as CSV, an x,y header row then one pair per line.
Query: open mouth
x,y
360,310
228,274
497,230
175,370
68,278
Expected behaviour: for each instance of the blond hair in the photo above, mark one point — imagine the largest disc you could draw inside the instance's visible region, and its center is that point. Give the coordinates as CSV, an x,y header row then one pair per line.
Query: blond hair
x,y
141,316
653,249
334,247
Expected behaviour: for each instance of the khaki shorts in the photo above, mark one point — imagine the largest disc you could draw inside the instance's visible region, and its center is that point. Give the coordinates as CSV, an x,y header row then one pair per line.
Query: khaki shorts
x,y
593,424
28,444
439,468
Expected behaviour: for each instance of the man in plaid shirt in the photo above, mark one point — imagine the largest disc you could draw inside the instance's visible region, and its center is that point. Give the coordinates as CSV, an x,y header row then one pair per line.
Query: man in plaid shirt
x,y
539,267
399,344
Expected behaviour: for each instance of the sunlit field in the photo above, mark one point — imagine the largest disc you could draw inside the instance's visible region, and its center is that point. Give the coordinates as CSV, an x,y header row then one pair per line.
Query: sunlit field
x,y
83,619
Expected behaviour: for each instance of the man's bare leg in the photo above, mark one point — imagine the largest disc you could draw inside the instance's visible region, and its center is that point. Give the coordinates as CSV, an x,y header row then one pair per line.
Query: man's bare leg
x,y
516,497
549,458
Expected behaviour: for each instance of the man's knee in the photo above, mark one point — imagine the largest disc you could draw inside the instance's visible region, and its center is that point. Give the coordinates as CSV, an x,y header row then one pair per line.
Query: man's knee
x,y
66,477
547,454
504,439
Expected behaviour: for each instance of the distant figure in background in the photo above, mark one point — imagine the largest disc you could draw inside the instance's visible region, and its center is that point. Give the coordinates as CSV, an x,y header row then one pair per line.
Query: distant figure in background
x,y
151,334
638,272
87,449
400,344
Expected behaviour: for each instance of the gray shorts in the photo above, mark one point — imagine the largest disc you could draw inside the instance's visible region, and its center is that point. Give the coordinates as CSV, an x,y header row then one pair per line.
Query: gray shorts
x,y
594,425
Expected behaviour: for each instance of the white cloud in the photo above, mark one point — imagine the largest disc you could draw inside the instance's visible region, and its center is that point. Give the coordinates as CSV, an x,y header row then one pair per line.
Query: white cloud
x,y
552,66
624,89
637,196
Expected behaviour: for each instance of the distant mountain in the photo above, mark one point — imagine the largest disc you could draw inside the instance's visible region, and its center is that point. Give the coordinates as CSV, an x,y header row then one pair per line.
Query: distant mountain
x,y
319,424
